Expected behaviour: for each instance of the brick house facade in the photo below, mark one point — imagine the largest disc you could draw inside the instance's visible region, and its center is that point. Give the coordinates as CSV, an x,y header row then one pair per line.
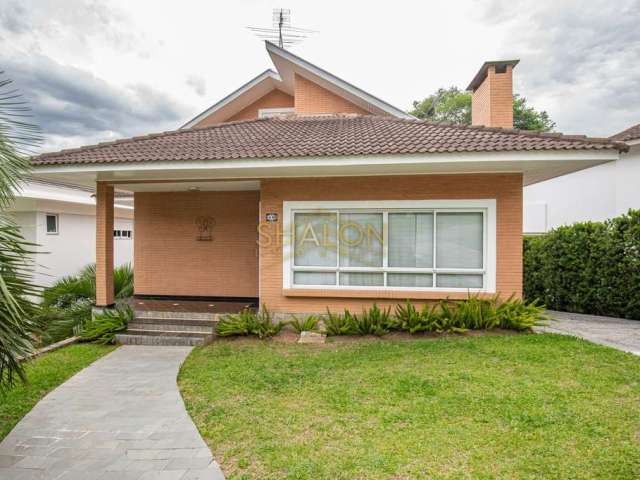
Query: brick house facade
x,y
306,193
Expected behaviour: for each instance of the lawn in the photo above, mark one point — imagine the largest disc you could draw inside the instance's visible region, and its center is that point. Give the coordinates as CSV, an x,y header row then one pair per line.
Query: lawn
x,y
514,406
44,374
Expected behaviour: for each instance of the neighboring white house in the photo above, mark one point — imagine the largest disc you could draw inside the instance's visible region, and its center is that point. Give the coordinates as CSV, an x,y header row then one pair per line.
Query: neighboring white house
x,y
60,219
596,193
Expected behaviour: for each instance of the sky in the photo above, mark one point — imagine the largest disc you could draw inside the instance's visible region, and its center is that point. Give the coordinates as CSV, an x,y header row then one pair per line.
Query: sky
x,y
98,70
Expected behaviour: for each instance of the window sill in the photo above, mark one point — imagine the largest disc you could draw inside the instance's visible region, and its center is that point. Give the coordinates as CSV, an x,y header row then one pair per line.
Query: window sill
x,y
382,294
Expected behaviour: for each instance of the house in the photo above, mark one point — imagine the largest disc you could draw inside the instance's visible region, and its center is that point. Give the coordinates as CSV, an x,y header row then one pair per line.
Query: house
x,y
60,219
304,192
595,193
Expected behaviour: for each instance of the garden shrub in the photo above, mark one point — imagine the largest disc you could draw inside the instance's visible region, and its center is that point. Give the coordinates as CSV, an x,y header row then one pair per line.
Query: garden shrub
x,y
102,328
336,324
249,322
588,267
446,316
305,324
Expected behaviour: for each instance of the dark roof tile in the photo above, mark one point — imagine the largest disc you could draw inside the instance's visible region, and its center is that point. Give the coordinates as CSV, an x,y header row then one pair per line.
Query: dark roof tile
x,y
330,135
632,133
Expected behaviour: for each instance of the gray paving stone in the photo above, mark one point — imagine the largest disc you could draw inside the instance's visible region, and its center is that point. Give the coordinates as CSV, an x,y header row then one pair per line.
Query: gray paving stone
x,y
188,463
167,475
211,473
618,333
122,418
9,460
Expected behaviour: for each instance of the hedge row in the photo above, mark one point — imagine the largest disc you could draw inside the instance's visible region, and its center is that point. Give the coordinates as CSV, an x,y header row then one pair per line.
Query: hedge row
x,y
589,267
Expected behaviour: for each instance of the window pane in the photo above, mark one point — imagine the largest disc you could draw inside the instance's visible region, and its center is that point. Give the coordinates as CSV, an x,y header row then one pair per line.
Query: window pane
x,y
459,240
362,279
421,280
360,239
411,239
314,278
52,224
459,281
315,239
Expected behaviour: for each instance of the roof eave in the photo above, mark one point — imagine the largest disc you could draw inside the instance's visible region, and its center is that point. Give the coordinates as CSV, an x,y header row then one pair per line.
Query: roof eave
x,y
232,96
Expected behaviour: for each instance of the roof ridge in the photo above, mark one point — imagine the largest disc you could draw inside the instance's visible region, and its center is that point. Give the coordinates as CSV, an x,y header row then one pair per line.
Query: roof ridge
x,y
166,133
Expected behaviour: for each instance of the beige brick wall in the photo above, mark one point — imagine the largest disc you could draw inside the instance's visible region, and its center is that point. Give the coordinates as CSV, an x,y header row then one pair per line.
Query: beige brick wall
x,y
312,98
274,99
505,188
169,260
492,103
104,244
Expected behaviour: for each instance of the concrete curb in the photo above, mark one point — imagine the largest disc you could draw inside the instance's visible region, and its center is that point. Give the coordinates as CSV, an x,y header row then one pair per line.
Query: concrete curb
x,y
51,348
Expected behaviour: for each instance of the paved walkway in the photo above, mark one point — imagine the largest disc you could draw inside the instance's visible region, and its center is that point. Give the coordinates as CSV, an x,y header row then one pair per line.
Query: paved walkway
x,y
121,418
614,332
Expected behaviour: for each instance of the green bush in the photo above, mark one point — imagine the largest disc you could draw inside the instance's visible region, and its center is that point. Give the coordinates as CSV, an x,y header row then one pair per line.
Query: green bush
x,y
336,324
372,321
263,326
588,267
103,327
446,316
249,322
305,324
67,304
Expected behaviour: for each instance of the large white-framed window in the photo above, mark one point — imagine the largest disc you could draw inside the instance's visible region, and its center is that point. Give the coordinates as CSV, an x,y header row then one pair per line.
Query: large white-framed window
x,y
430,245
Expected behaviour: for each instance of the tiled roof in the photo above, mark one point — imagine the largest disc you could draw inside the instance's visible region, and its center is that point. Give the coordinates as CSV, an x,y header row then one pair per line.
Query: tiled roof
x,y
305,136
632,133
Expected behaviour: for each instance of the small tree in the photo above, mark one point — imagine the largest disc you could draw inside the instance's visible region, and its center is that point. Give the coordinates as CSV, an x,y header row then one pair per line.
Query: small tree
x,y
16,290
454,105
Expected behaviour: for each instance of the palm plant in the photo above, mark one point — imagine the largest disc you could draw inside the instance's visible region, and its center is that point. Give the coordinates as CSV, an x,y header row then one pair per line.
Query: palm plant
x,y
67,304
17,325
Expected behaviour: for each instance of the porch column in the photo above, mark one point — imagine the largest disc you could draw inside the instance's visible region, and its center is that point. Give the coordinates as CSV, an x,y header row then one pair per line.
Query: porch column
x,y
104,244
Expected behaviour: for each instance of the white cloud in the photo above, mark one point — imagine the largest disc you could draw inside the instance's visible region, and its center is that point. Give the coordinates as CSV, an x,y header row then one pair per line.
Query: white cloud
x,y
97,70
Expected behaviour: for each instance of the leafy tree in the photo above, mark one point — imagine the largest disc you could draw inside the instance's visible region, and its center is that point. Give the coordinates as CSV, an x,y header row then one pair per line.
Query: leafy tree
x,y
446,105
17,324
454,106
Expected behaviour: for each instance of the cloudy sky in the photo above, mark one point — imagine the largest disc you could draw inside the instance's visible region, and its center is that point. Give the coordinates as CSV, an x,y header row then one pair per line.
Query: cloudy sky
x,y
96,70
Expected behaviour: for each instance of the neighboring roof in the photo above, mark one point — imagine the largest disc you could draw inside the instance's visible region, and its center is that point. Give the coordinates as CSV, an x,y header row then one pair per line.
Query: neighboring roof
x,y
248,93
288,64
482,73
631,133
328,135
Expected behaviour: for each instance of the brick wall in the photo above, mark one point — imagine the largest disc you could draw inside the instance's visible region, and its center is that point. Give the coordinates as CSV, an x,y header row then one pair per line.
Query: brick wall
x,y
169,260
104,244
505,188
274,99
492,103
312,98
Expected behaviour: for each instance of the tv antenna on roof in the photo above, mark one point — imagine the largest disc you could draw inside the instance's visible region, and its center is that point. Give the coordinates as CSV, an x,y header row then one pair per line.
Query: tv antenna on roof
x,y
282,32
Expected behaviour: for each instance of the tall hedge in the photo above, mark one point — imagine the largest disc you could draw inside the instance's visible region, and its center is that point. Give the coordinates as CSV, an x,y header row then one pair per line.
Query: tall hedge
x,y
589,267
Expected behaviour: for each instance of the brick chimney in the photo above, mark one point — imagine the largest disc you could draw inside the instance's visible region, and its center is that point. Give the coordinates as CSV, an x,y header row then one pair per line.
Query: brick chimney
x,y
492,99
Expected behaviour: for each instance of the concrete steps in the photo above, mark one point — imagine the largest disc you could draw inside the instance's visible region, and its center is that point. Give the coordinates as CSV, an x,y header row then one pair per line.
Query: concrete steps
x,y
169,328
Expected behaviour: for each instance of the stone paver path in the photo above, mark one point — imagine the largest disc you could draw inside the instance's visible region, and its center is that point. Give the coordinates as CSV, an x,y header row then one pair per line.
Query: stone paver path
x,y
121,418
614,332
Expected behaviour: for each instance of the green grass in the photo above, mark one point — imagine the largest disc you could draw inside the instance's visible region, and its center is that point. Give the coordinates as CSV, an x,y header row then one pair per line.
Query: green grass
x,y
45,373
516,406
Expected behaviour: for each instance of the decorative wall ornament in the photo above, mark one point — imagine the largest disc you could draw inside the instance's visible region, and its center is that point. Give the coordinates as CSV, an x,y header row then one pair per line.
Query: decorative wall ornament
x,y
205,226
